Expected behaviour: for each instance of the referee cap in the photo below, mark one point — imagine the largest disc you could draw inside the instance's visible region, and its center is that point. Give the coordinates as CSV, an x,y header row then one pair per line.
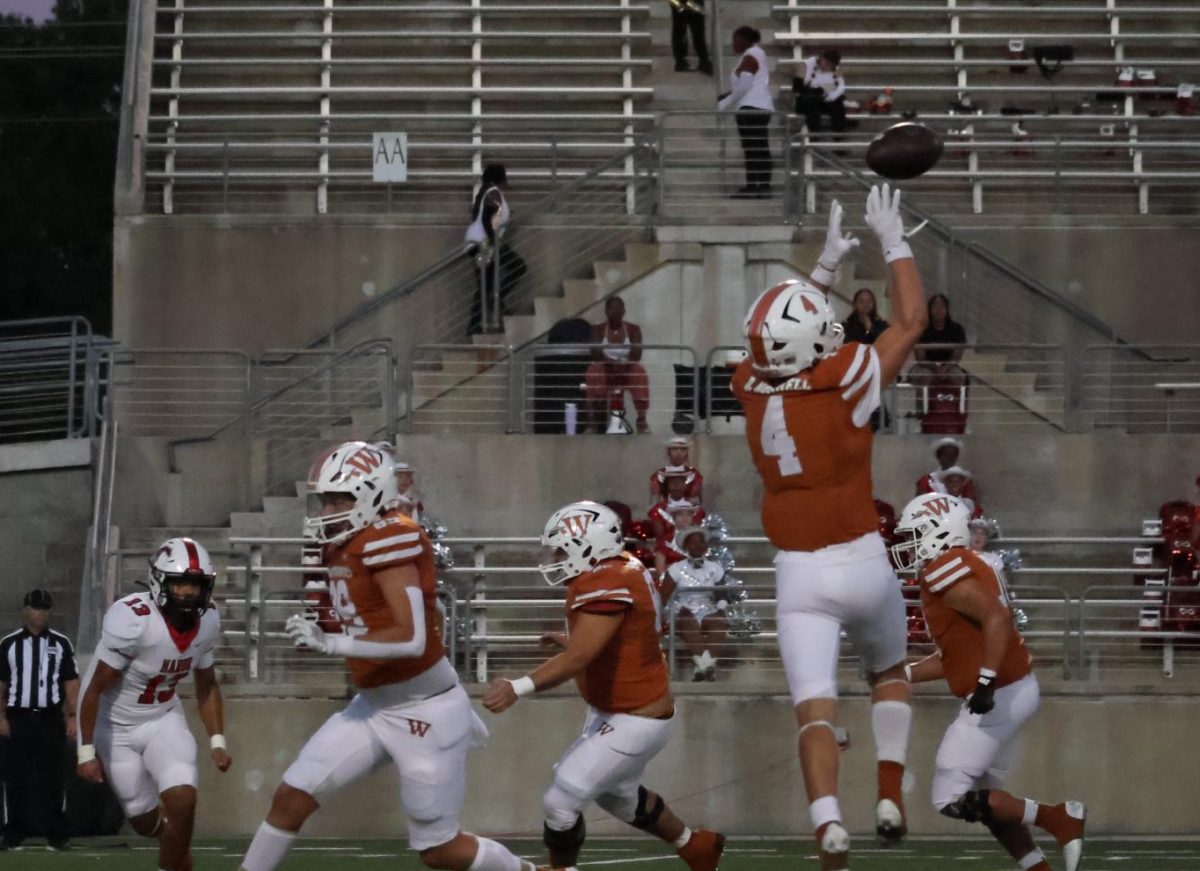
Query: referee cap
x,y
40,600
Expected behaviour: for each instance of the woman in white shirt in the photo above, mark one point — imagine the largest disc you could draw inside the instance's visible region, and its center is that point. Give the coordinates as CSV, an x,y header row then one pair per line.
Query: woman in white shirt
x,y
821,90
489,215
750,95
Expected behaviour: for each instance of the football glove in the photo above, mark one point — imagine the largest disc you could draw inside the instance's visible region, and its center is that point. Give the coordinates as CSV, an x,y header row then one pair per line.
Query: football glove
x,y
983,699
837,246
307,635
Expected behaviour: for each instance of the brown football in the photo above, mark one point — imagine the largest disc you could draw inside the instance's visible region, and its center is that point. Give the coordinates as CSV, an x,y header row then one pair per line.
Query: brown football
x,y
904,151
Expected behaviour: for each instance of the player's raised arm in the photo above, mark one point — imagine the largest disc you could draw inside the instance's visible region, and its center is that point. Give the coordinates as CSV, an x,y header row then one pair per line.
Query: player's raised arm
x,y
837,246
909,313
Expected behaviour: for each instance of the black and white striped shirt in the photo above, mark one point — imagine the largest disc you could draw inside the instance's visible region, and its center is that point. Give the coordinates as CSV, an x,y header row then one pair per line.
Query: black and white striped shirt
x,y
34,669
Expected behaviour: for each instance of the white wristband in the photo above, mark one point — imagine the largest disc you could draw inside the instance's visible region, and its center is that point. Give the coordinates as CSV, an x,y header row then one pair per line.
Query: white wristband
x,y
217,742
823,276
900,251
908,673
86,753
523,686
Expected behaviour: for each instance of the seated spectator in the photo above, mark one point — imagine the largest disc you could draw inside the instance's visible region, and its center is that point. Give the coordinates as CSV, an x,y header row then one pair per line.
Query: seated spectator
x,y
678,449
942,330
946,451
700,622
616,368
668,518
820,90
953,481
864,324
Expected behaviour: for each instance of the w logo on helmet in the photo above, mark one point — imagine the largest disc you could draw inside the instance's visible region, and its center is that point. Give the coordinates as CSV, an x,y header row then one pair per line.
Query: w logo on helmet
x,y
936,507
364,460
576,525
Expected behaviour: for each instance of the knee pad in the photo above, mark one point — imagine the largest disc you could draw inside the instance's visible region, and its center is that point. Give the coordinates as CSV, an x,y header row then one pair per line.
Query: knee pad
x,y
565,840
973,807
561,808
645,817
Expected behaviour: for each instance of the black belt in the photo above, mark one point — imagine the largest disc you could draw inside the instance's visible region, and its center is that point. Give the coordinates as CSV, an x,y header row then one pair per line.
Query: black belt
x,y
35,712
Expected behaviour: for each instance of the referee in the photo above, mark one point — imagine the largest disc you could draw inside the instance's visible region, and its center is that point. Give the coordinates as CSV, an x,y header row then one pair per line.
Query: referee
x,y
39,689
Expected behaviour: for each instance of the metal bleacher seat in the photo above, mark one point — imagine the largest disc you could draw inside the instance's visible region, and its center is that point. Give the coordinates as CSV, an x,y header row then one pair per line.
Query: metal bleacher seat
x,y
279,100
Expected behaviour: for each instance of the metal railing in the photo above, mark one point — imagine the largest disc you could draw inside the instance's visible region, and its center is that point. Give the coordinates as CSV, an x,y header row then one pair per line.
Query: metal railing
x,y
51,372
1145,388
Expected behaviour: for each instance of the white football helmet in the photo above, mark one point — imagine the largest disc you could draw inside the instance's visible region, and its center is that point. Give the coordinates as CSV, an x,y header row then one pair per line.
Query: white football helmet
x,y
181,560
789,327
930,525
357,469
586,533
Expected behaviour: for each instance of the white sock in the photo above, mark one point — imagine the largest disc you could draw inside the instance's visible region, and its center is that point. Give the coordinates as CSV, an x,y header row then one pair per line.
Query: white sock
x,y
491,856
685,836
1031,809
825,810
890,724
268,848
1031,859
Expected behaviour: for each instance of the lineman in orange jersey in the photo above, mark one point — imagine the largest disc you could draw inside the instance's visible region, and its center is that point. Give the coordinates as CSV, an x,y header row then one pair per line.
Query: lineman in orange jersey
x,y
808,402
983,659
613,651
410,708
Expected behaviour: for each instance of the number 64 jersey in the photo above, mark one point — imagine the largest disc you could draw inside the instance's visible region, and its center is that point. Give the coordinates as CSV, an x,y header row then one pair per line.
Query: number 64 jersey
x,y
153,657
810,437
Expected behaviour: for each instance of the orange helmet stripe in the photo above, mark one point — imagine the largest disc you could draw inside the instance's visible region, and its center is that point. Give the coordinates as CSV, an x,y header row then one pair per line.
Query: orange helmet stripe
x,y
758,319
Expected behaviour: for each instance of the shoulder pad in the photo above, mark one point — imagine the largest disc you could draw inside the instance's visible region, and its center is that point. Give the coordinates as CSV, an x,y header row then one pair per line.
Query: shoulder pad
x,y
127,619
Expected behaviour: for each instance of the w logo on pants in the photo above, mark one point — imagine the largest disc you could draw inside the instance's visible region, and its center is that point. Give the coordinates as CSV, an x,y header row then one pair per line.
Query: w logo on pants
x,y
417,727
605,728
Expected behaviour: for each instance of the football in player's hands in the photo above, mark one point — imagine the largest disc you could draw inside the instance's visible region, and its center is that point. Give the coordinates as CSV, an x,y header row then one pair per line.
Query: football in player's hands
x,y
222,759
500,696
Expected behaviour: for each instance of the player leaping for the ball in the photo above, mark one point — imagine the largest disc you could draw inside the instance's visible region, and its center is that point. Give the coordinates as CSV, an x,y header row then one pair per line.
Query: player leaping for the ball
x,y
613,651
984,660
131,724
410,708
808,402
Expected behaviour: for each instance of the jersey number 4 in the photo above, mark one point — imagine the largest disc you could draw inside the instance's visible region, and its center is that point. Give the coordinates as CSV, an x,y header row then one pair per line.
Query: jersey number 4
x,y
776,441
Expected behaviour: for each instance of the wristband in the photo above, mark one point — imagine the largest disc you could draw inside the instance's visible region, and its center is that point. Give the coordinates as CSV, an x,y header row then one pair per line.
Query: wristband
x,y
217,742
986,675
899,251
823,275
86,753
523,686
908,673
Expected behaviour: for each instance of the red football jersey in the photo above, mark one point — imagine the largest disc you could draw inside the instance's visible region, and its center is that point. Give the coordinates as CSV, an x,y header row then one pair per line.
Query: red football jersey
x,y
810,438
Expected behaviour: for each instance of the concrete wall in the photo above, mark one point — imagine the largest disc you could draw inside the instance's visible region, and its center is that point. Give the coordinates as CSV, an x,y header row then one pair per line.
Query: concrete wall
x,y
732,764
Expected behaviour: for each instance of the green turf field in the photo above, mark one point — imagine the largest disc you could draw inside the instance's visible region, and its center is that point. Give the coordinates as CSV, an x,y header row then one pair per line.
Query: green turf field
x,y
743,854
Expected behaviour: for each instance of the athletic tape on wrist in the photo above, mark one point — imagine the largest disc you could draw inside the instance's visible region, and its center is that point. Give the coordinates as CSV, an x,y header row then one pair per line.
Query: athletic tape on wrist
x,y
86,753
217,742
523,686
986,675
908,673
823,276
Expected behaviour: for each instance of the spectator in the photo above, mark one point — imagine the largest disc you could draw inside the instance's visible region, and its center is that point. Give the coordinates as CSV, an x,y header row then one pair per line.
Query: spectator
x,y
677,464
942,330
954,481
668,517
410,502
688,15
946,451
39,694
616,369
820,90
864,323
700,622
489,215
750,95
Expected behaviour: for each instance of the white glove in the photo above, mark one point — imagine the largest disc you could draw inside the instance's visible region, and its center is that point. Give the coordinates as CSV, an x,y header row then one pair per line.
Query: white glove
x,y
883,216
307,635
837,247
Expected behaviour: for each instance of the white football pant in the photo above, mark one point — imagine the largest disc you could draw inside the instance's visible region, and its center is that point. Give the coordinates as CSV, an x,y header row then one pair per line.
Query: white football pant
x,y
146,760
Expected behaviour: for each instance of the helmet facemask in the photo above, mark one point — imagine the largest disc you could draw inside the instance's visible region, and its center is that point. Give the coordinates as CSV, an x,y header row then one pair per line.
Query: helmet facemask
x,y
180,610
354,471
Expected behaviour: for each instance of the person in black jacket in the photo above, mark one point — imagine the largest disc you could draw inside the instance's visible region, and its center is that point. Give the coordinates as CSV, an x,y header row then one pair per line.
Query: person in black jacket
x,y
864,324
942,330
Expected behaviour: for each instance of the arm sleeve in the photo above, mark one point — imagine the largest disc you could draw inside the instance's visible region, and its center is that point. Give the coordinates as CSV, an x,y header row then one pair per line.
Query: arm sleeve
x,y
807,69
120,635
347,645
741,87
839,89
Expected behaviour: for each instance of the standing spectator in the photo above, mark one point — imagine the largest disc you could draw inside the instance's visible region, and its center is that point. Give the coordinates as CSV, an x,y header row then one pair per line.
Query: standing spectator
x,y
688,15
39,692
821,90
864,323
942,330
946,451
750,94
678,449
616,369
489,215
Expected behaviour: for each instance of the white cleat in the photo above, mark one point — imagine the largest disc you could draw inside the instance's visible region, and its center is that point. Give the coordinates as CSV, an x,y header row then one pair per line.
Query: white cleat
x,y
890,825
835,848
1072,850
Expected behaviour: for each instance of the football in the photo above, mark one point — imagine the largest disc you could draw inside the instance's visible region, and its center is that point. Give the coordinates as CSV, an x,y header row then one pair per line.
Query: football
x,y
906,150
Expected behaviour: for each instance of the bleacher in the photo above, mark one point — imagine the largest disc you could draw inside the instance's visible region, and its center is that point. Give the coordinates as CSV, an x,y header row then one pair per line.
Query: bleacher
x,y
279,100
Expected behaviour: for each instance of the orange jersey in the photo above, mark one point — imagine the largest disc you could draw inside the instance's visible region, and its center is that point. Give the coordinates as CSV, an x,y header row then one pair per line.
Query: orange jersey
x,y
395,540
630,672
810,438
958,639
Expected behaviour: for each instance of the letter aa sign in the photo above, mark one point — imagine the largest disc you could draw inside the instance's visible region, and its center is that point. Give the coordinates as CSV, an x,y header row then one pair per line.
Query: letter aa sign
x,y
389,156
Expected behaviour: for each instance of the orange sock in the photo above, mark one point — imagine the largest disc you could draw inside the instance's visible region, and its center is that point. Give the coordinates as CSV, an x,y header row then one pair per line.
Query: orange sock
x,y
891,774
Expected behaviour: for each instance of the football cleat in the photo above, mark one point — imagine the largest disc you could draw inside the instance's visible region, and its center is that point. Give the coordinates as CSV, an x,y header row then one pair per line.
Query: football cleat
x,y
835,847
890,825
703,850
1071,836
